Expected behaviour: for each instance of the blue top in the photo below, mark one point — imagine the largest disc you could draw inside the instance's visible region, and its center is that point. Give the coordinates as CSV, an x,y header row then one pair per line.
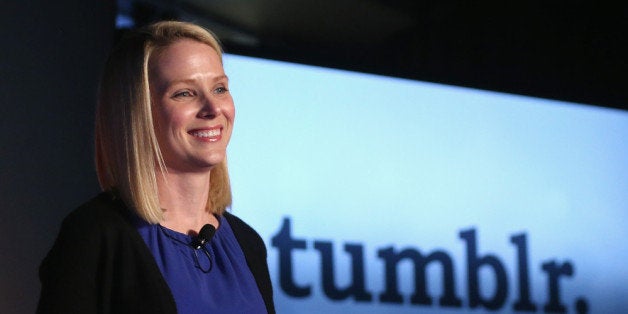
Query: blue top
x,y
229,287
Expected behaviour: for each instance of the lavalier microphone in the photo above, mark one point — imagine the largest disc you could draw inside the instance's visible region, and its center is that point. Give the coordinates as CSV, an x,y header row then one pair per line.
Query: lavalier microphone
x,y
204,236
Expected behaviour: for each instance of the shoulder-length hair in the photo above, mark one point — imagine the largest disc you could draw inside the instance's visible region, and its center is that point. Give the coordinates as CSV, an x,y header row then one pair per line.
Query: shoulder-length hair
x,y
127,151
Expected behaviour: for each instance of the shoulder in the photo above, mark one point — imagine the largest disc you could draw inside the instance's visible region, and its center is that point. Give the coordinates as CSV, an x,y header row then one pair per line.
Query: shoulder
x,y
97,261
248,238
94,231
104,210
103,206
103,218
77,250
236,222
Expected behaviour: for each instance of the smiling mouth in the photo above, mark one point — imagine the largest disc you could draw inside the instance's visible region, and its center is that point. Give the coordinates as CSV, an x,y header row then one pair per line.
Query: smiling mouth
x,y
206,133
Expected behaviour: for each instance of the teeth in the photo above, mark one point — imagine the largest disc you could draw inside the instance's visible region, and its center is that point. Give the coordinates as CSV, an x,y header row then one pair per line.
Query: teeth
x,y
208,133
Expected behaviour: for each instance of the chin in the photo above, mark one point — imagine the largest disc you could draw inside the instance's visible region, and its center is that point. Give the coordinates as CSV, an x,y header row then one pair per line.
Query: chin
x,y
212,162
206,161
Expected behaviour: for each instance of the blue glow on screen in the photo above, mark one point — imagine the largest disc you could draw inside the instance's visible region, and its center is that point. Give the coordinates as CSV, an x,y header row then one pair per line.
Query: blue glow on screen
x,y
382,163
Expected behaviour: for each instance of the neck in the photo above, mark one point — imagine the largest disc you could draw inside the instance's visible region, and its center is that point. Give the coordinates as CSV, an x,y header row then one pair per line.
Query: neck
x,y
183,197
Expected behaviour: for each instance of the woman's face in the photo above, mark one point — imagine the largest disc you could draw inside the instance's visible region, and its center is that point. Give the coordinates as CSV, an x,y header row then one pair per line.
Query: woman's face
x,y
192,107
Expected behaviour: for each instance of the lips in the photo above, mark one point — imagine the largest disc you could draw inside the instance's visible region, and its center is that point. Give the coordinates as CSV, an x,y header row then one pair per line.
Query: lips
x,y
211,134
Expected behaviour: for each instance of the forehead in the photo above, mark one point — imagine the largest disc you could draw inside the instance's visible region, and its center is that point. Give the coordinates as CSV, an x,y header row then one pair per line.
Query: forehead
x,y
185,58
180,49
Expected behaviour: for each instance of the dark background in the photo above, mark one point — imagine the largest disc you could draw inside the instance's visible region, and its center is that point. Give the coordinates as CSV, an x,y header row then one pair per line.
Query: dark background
x,y
52,54
53,51
566,50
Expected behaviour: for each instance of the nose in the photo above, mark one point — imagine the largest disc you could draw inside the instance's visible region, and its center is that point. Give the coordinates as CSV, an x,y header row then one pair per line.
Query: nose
x,y
210,109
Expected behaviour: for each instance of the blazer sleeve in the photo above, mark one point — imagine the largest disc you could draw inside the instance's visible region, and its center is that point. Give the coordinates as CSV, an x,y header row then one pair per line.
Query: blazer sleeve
x,y
68,273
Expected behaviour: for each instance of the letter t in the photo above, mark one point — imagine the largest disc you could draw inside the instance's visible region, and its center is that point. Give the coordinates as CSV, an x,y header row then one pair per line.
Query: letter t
x,y
285,244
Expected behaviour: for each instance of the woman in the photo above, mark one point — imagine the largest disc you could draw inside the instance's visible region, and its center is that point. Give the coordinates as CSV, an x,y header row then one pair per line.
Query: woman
x,y
164,120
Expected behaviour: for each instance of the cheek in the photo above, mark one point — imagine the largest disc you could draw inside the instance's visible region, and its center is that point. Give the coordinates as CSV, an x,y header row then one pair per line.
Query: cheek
x,y
168,126
171,118
229,111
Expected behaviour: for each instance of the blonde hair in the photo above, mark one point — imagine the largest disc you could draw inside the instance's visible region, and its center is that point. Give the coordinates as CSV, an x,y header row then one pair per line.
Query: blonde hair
x,y
127,151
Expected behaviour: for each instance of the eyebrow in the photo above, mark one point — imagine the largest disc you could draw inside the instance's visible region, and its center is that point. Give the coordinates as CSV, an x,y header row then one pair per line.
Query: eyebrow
x,y
192,80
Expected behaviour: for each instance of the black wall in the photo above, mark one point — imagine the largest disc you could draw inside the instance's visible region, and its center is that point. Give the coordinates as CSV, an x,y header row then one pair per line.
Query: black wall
x,y
50,61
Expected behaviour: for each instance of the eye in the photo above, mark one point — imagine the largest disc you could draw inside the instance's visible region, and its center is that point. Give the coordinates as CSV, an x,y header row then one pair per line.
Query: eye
x,y
183,93
221,90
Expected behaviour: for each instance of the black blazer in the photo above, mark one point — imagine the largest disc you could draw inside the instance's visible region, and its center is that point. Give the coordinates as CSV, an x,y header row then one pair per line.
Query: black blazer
x,y
100,264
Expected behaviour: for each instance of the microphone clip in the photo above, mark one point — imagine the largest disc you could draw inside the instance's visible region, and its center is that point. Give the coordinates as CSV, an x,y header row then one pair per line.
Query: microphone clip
x,y
204,235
